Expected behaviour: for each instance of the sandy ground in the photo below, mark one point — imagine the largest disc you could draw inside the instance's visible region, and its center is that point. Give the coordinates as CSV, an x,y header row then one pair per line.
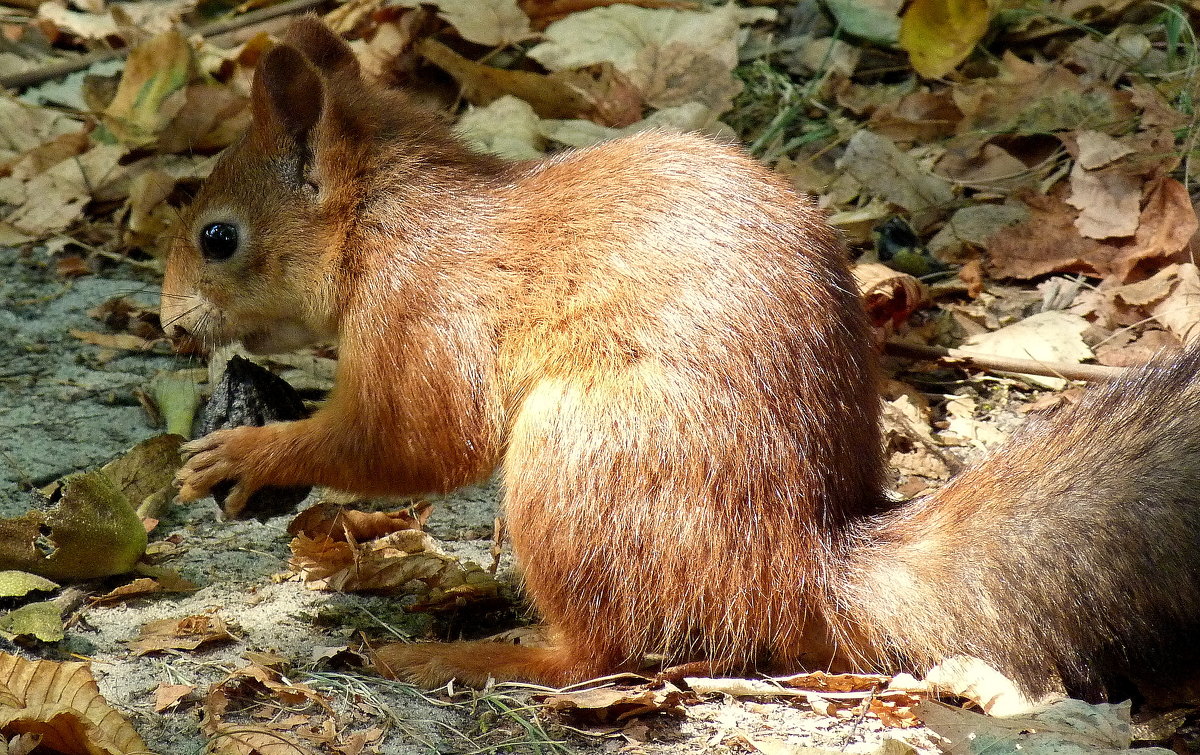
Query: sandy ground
x,y
66,406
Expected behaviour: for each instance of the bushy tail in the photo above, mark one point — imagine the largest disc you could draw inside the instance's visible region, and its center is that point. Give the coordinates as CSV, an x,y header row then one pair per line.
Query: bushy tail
x,y
1073,551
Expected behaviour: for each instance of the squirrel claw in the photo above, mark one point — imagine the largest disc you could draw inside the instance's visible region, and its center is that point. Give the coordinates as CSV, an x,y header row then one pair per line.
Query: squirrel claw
x,y
198,446
213,459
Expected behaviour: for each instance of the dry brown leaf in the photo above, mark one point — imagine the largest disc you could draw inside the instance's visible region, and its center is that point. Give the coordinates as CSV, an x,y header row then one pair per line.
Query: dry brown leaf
x,y
61,702
819,681
971,275
119,341
1108,201
42,158
962,424
88,26
143,586
150,94
1045,243
494,23
271,680
337,522
895,709
554,95
258,693
889,296
672,57
126,20
180,634
149,217
1171,297
609,705
1156,109
911,447
55,199
601,94
678,73
26,128
1049,241
1138,351
71,266
1097,149
251,739
889,172
121,314
544,12
986,167
973,226
1036,98
1054,337
919,117
389,565
212,117
1168,223
169,695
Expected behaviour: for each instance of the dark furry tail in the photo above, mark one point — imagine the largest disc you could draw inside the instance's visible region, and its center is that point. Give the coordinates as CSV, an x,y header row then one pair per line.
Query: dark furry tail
x,y
1072,552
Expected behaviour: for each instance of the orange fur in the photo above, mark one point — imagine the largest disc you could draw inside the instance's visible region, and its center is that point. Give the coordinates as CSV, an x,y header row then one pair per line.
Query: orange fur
x,y
657,341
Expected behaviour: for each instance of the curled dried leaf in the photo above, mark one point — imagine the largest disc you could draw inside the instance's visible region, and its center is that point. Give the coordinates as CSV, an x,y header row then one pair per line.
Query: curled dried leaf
x,y
340,523
611,705
61,702
180,634
402,562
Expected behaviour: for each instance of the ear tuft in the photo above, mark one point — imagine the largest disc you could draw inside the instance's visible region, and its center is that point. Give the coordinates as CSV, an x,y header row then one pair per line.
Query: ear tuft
x,y
323,48
287,94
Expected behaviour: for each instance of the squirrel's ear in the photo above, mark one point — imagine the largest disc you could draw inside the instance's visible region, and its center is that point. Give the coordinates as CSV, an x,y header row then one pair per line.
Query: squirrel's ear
x,y
287,95
323,48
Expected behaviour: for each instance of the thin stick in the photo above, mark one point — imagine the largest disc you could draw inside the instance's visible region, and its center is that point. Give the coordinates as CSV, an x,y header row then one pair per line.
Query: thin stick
x,y
992,363
62,68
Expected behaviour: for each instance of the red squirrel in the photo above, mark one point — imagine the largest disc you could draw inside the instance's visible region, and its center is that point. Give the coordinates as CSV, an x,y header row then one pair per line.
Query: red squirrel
x,y
659,344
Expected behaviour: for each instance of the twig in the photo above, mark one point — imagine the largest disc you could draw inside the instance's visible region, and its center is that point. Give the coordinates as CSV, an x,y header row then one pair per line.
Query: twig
x,y
62,68
992,363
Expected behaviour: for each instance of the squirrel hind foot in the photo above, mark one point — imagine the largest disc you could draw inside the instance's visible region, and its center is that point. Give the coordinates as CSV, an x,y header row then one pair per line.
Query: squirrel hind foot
x,y
432,664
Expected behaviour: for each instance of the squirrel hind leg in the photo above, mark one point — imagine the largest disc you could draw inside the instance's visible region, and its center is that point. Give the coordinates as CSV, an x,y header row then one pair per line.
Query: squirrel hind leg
x,y
432,664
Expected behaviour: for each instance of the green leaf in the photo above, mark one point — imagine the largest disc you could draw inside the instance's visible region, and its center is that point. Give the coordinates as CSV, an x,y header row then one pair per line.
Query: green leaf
x,y
14,584
873,20
41,620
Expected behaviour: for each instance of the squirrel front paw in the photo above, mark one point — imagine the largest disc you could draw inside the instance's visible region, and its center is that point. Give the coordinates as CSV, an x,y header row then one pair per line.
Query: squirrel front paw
x,y
220,456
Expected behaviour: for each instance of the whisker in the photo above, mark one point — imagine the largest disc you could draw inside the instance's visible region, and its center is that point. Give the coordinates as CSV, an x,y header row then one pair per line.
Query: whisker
x,y
166,324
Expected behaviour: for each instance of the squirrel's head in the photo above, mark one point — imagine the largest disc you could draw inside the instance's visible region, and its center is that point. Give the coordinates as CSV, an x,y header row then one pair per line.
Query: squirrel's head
x,y
257,255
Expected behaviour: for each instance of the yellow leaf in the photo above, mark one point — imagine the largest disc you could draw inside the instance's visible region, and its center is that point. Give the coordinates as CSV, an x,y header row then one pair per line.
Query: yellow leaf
x,y
940,34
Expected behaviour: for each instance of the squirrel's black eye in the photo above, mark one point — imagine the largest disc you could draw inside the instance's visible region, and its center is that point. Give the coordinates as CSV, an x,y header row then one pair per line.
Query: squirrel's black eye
x,y
218,241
